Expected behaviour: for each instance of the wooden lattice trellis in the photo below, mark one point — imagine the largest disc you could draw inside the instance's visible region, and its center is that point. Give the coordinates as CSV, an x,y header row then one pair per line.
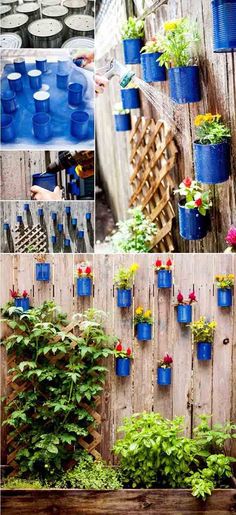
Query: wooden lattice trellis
x,y
34,237
153,155
90,443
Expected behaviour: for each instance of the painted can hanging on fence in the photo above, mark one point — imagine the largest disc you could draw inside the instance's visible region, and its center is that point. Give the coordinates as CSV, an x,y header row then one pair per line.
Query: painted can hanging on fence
x,y
185,84
193,225
164,279
42,271
84,287
184,313
123,122
224,297
152,71
22,302
212,162
144,331
224,25
204,351
123,367
163,376
124,299
132,48
130,98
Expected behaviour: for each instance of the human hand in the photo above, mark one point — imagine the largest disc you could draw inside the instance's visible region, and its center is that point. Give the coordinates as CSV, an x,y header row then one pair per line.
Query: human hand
x,y
38,193
86,57
101,84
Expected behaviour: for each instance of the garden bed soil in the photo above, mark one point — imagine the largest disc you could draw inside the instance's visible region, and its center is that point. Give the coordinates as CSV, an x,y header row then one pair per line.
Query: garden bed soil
x,y
107,502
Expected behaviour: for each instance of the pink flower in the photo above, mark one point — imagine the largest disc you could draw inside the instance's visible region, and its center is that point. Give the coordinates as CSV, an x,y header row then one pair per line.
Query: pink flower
x,y
192,297
198,202
187,182
25,294
119,347
168,262
180,297
14,294
231,237
167,359
129,351
158,263
88,270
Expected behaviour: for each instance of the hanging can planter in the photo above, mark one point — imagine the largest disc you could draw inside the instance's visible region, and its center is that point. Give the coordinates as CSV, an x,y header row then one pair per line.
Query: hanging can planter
x,y
22,302
130,98
212,162
224,297
163,376
46,180
193,225
123,298
123,122
152,71
84,287
164,279
132,48
185,84
122,367
204,351
224,25
184,313
42,271
144,331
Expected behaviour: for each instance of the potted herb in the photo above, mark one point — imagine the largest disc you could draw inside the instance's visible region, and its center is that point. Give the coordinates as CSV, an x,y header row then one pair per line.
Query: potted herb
x,y
123,360
152,71
231,240
143,322
211,149
203,336
164,273
132,35
84,280
184,308
122,118
130,96
224,15
21,300
194,210
123,281
178,56
42,269
224,285
164,371
136,234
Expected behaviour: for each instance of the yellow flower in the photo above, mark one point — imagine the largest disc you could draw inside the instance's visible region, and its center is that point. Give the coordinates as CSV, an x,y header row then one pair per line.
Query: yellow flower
x,y
134,267
139,310
231,276
172,25
208,117
147,313
218,117
199,120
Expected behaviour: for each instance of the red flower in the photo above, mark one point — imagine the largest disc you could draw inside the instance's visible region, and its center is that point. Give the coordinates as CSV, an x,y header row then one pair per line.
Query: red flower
x,y
168,262
14,294
88,270
25,294
119,347
187,182
198,202
180,297
129,351
167,359
80,270
158,263
192,296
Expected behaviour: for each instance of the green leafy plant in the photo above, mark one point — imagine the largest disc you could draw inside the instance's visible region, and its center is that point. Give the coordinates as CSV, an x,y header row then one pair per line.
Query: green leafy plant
x,y
224,281
134,234
153,46
202,330
179,43
210,130
194,195
133,29
15,483
124,278
166,362
63,371
143,317
123,353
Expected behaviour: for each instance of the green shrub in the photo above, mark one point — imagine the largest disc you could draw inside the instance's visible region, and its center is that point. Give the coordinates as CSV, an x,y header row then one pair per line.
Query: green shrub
x,y
133,29
14,483
135,234
91,475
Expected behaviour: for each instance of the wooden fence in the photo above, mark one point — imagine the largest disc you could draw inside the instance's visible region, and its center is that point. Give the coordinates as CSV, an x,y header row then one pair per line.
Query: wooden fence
x,y
196,387
218,79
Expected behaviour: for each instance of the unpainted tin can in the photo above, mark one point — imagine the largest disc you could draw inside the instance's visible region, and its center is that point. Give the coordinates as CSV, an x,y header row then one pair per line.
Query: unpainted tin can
x,y
75,6
13,4
32,9
10,40
45,33
57,12
81,43
5,10
16,23
79,25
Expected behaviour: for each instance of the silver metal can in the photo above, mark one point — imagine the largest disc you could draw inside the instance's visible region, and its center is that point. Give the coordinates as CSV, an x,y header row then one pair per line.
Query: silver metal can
x,y
45,33
76,6
5,10
16,23
32,9
10,40
79,25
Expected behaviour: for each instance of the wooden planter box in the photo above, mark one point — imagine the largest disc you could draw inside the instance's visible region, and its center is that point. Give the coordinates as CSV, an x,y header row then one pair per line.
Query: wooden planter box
x,y
108,502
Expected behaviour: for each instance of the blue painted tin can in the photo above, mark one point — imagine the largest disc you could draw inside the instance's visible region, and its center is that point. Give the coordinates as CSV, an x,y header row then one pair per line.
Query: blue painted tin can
x,y
163,376
15,82
144,331
41,64
88,216
152,71
123,122
185,84
84,287
60,228
193,225
8,99
132,48
123,367
74,222
42,101
54,216
8,132
40,211
124,299
75,94
26,207
42,126
212,162
67,210
35,79
62,81
224,297
204,351
66,242
19,65
130,98
53,239
80,235
184,313
6,227
42,271
22,302
79,124
19,218
47,181
224,25
164,279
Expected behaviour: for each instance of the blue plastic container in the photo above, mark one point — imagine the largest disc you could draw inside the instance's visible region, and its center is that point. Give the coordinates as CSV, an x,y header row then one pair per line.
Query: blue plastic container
x,y
164,279
53,239
132,48
204,351
42,101
193,225
8,99
54,216
79,124
184,313
19,65
26,207
8,132
124,298
224,297
67,210
41,64
22,302
60,228
35,79
42,126
123,367
130,98
84,286
152,71
212,162
42,271
123,122
66,242
224,25
47,181
163,376
62,81
75,94
74,222
88,216
144,331
80,235
40,211
185,84
15,81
